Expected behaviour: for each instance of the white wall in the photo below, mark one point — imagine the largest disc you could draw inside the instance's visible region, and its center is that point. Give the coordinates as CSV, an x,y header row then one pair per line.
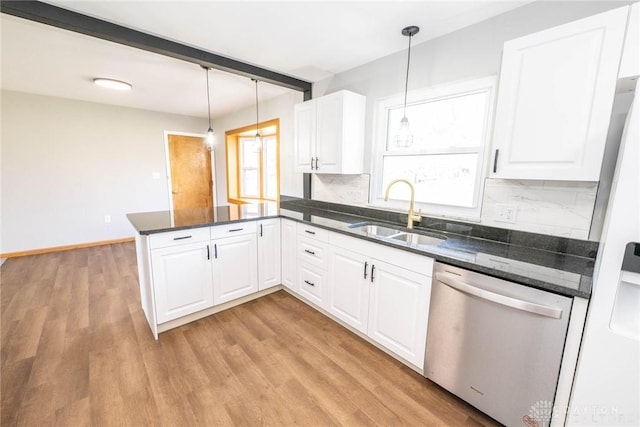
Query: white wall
x,y
277,108
469,53
65,164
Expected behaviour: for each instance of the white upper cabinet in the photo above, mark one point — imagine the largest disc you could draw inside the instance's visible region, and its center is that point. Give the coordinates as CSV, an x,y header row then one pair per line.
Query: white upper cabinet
x,y
329,134
630,62
554,100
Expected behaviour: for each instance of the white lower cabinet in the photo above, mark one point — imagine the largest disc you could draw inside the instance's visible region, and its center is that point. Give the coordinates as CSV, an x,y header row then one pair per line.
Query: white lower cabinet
x,y
235,269
399,310
348,296
311,263
269,265
386,300
288,254
182,280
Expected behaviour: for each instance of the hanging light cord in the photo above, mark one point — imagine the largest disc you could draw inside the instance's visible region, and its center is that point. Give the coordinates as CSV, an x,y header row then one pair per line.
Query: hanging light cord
x,y
406,80
208,98
257,132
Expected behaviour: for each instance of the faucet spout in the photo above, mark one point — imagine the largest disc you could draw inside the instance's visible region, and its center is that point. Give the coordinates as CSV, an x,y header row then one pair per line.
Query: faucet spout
x,y
411,217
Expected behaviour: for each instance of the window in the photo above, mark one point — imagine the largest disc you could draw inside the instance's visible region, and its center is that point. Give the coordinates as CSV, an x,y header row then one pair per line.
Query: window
x,y
446,162
252,167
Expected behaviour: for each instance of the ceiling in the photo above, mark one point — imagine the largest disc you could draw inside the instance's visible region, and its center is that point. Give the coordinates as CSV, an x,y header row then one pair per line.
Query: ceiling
x,y
310,40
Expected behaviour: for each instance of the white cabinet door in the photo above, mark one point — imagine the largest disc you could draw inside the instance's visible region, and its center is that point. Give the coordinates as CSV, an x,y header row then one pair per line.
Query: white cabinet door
x,y
329,133
329,128
235,267
182,280
398,310
348,288
269,253
288,254
305,135
555,97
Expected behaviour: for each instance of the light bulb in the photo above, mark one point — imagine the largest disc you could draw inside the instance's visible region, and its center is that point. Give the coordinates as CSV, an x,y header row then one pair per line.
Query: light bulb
x,y
403,137
210,140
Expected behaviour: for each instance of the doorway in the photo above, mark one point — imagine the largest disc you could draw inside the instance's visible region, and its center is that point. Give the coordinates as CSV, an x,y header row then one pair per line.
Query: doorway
x,y
190,172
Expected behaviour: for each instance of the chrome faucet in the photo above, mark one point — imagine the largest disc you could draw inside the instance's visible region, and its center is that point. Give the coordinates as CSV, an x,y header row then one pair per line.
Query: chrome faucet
x,y
410,217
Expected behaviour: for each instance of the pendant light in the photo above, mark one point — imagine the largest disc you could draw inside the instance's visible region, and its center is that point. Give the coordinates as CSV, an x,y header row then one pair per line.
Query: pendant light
x,y
209,139
258,139
403,137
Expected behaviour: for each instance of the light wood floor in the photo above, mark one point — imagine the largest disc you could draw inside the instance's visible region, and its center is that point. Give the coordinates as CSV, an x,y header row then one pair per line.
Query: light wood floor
x,y
76,351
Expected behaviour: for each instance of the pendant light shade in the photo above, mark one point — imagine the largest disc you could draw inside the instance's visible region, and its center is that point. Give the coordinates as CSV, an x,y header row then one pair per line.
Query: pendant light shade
x,y
403,137
209,140
258,138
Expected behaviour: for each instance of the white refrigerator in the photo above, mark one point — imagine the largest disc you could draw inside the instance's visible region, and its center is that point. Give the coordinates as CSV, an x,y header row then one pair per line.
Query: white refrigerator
x,y
606,389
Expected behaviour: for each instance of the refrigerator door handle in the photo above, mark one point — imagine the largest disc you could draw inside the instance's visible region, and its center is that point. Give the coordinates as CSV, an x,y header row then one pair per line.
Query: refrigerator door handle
x,y
454,282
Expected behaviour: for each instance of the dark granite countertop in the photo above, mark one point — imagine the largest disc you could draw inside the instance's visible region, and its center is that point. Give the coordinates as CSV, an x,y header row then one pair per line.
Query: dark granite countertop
x,y
162,221
562,266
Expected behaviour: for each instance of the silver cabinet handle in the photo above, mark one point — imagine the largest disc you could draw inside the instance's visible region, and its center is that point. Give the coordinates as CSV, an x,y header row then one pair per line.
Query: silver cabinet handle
x,y
260,230
309,231
317,164
235,229
312,163
215,251
309,283
365,269
309,252
373,268
208,253
455,283
495,161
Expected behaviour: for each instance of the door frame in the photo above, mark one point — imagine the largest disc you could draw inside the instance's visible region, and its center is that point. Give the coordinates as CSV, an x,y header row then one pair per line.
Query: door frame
x,y
167,133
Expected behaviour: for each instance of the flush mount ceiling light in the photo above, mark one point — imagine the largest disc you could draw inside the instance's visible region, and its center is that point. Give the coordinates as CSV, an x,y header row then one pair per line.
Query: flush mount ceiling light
x,y
403,137
258,139
208,142
112,84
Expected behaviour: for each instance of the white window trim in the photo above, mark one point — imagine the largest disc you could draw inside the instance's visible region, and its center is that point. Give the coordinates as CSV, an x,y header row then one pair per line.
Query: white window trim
x,y
376,195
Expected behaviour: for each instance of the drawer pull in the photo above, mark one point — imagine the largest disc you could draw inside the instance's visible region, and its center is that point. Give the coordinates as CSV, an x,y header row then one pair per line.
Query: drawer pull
x,y
309,283
309,231
309,252
182,238
235,229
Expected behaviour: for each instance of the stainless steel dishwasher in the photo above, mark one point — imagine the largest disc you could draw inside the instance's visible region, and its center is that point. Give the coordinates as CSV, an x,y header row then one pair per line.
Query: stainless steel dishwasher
x,y
496,344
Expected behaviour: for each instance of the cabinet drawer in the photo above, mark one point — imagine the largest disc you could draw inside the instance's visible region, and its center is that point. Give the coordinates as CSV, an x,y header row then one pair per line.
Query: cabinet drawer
x,y
180,237
233,229
312,252
311,284
313,232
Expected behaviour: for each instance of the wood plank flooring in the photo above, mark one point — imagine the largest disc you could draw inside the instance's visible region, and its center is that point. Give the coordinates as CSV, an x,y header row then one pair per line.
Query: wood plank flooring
x,y
76,350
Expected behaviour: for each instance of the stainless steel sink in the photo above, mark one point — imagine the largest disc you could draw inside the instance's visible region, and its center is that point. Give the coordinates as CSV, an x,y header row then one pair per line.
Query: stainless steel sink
x,y
397,236
413,239
375,229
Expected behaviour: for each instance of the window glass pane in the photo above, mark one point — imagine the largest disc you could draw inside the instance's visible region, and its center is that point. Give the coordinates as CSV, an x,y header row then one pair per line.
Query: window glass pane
x,y
444,179
250,153
270,173
250,183
442,123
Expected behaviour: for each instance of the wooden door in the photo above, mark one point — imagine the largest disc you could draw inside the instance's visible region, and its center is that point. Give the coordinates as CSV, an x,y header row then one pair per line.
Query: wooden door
x,y
191,178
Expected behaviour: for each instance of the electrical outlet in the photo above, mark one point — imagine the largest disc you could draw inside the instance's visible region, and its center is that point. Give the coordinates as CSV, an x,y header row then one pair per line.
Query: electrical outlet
x,y
107,218
507,213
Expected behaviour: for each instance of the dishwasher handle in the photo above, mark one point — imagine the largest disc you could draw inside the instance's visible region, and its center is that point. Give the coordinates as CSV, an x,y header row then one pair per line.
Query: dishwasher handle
x,y
455,283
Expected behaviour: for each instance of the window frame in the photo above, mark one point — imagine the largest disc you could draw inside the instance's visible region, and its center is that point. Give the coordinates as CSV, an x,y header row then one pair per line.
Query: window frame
x,y
419,96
